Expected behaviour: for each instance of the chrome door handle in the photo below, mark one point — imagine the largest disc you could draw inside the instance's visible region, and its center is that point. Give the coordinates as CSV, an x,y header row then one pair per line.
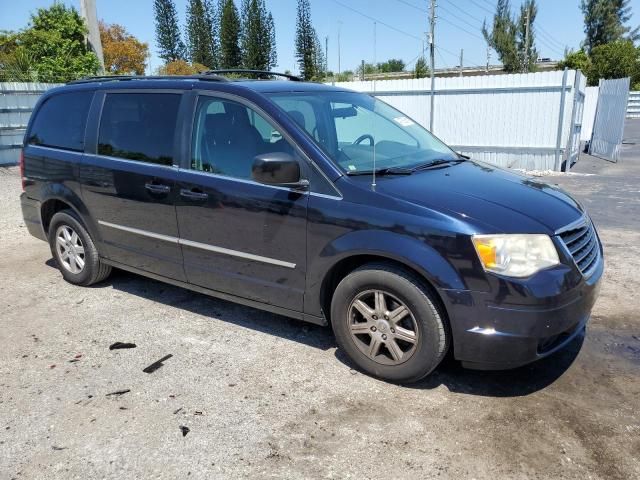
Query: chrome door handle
x,y
193,194
157,188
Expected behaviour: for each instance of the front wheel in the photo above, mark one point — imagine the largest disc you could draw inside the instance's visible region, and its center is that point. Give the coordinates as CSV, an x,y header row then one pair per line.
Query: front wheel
x,y
74,250
388,323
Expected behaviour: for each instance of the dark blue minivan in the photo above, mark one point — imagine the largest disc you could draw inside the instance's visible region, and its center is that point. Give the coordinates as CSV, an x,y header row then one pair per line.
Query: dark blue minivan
x,y
313,202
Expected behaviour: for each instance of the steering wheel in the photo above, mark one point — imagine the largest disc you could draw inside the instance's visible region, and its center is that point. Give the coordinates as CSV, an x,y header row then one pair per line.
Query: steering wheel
x,y
364,137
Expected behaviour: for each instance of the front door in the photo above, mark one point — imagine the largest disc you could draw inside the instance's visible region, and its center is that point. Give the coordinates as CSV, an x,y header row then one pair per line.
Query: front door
x,y
129,184
239,236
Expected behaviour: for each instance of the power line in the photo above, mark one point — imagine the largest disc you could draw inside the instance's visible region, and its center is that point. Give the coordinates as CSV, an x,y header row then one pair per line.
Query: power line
x,y
491,4
376,20
459,18
444,64
547,44
483,7
460,28
413,6
461,10
542,32
444,19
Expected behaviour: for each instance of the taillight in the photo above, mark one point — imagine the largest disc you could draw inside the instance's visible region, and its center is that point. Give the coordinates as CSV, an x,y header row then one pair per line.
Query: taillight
x,y
22,168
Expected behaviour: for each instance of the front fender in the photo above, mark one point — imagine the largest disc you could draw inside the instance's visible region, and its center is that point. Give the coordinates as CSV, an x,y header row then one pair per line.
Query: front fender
x,y
410,251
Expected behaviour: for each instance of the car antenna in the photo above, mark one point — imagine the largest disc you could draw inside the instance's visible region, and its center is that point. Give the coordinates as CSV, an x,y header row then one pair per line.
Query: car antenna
x,y
373,142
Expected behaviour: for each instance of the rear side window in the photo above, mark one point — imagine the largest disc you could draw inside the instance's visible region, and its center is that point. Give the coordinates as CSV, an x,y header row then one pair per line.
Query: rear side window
x,y
60,121
139,126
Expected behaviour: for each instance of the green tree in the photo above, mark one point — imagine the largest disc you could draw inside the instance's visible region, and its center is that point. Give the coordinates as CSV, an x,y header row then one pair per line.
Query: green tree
x,y
200,33
502,37
345,76
526,44
606,21
319,59
51,49
391,65
273,53
170,44
305,41
230,53
123,53
578,60
617,59
421,69
258,36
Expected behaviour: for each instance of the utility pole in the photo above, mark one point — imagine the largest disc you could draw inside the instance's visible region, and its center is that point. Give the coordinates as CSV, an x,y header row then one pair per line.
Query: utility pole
x,y
461,59
88,13
526,39
432,53
326,54
339,27
488,58
375,39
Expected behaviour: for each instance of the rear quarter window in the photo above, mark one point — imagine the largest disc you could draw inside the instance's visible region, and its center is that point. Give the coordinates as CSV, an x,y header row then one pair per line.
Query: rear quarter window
x,y
61,120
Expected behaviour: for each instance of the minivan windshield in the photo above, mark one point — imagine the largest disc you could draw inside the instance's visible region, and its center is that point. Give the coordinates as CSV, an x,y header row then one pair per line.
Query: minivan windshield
x,y
361,133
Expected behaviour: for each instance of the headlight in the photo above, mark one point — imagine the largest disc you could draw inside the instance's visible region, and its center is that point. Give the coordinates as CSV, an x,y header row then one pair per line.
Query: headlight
x,y
515,255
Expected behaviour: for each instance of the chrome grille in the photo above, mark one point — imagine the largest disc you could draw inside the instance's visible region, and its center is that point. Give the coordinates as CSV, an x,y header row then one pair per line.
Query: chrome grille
x,y
582,242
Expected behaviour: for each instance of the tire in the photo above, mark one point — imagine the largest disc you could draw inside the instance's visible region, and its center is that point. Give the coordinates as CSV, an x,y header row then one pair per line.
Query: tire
x,y
74,238
409,348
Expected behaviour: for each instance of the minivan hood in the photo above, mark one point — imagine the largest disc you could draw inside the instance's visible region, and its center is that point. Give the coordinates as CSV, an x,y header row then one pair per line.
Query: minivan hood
x,y
501,200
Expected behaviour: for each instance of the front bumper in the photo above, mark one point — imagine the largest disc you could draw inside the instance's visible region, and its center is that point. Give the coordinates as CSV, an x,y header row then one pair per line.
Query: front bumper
x,y
517,325
31,216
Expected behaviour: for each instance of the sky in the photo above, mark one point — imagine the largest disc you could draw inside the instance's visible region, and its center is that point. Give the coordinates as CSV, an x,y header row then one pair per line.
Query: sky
x,y
370,30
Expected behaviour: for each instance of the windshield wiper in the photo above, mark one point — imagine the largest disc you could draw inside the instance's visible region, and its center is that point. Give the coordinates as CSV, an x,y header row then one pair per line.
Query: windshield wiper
x,y
435,163
383,171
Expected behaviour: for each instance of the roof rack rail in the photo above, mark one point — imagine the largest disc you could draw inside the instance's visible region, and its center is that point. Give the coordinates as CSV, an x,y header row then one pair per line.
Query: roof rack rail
x,y
259,73
120,78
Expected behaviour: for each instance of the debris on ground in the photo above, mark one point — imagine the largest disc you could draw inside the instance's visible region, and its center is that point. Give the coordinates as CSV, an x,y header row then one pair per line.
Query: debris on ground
x,y
156,365
118,392
121,345
184,430
58,448
178,410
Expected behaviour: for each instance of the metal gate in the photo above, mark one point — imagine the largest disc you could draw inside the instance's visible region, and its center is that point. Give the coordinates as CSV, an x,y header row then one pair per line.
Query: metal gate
x,y
608,128
575,126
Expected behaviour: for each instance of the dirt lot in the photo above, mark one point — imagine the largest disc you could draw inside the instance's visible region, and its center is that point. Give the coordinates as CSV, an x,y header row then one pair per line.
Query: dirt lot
x,y
268,397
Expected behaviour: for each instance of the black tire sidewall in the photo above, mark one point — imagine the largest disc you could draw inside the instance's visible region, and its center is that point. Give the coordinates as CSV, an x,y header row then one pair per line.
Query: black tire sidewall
x,y
433,338
91,261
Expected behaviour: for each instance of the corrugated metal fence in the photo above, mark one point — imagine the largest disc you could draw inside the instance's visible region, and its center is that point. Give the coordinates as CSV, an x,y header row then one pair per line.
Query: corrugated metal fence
x,y
530,121
16,103
608,128
633,107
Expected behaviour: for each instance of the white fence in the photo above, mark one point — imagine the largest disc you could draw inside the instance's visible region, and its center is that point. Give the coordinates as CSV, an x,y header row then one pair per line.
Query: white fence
x,y
16,103
633,107
608,127
518,121
590,104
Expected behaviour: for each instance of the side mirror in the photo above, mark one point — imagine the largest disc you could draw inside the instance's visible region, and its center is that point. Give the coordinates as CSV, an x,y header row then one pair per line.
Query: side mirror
x,y
278,168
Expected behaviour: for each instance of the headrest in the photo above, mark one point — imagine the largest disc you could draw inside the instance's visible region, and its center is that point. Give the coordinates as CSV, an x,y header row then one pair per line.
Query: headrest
x,y
298,117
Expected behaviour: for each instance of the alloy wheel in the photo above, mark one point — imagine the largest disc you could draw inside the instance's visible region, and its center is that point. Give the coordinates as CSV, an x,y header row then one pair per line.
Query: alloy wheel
x,y
70,249
382,327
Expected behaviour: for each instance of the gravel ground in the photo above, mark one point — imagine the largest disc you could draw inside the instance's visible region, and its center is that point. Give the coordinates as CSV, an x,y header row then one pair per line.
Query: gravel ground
x,y
267,397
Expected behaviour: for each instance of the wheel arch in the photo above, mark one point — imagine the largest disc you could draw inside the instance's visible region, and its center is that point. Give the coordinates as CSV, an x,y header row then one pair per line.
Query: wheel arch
x,y
410,254
57,197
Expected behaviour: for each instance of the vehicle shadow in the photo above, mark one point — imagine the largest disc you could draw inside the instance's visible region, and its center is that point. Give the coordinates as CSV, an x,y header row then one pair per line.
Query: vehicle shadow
x,y
220,310
506,383
517,382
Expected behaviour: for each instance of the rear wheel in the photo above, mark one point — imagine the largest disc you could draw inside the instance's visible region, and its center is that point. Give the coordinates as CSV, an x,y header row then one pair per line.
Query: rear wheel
x,y
387,322
74,250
